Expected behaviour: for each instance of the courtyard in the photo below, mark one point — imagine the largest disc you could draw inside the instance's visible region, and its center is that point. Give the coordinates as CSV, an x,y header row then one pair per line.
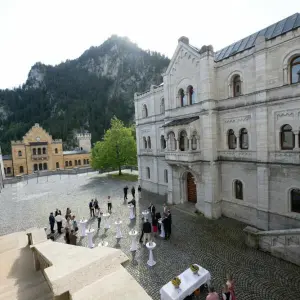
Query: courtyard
x,y
217,245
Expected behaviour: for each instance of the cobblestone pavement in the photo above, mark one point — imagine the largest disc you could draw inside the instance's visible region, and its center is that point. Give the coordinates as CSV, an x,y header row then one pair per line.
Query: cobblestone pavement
x,y
216,245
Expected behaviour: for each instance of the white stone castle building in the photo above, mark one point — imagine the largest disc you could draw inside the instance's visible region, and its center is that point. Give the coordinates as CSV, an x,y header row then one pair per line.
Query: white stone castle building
x,y
222,130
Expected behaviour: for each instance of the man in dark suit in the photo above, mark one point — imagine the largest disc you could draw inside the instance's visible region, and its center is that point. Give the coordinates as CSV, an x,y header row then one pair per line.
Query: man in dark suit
x,y
169,217
152,209
147,228
125,192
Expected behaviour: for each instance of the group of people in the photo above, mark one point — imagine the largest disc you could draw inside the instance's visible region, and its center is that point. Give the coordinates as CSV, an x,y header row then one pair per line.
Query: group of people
x,y
154,227
125,190
68,223
228,291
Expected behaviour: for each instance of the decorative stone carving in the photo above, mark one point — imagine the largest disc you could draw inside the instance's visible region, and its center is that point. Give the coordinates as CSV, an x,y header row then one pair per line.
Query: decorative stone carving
x,y
285,114
237,119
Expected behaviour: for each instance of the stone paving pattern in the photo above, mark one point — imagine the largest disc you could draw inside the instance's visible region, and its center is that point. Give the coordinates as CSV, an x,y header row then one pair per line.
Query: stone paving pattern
x,y
216,245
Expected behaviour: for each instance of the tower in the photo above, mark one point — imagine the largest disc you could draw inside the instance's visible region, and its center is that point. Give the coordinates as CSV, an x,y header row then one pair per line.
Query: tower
x,y
84,141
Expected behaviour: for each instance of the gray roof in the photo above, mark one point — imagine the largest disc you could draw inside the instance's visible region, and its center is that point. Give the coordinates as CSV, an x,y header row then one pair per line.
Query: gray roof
x,y
6,157
178,122
75,152
288,24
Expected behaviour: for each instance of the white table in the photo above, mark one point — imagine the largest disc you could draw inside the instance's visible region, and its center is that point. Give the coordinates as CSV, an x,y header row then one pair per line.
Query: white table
x,y
90,237
189,283
119,233
82,224
151,262
131,212
103,244
162,228
133,234
106,220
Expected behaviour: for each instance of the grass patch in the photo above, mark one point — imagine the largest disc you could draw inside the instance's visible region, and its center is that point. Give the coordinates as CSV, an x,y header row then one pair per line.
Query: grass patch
x,y
124,176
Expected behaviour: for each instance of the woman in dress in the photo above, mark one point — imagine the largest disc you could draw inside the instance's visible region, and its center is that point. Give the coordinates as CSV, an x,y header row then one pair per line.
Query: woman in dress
x,y
154,225
226,295
231,286
67,236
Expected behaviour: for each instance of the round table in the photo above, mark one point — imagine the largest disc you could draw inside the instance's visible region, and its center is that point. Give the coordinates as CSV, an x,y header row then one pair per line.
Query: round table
x,y
119,233
90,237
162,228
151,261
131,212
103,244
133,234
106,220
82,225
145,214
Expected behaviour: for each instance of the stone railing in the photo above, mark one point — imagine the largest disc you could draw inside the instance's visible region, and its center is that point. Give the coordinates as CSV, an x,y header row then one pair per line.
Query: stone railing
x,y
39,156
285,156
185,156
245,155
283,244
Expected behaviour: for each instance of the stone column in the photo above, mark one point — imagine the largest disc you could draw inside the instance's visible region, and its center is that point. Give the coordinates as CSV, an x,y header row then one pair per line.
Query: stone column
x,y
296,133
238,143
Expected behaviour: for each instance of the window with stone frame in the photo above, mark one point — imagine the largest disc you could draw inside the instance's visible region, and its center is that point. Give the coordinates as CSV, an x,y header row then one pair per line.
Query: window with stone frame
x,y
44,150
79,162
191,95
5,171
295,70
75,162
145,111
149,142
148,172
33,151
231,139
8,170
40,166
21,169
45,166
35,167
56,150
194,141
163,143
19,153
237,86
172,141
238,190
70,163
57,165
162,106
295,200
145,142
166,176
244,143
287,137
84,161
66,163
183,141
39,151
182,97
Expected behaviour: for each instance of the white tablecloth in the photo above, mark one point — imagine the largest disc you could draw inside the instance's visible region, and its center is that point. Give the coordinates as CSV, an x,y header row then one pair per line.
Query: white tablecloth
x,y
189,283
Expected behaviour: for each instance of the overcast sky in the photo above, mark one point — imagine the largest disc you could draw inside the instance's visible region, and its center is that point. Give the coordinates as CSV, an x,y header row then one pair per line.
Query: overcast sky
x,y
52,31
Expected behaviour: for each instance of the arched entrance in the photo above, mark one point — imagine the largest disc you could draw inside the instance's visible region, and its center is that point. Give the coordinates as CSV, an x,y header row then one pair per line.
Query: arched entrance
x,y
191,188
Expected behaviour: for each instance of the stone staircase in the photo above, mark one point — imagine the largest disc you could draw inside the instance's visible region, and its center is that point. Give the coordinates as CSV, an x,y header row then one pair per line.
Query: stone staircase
x,y
18,279
284,244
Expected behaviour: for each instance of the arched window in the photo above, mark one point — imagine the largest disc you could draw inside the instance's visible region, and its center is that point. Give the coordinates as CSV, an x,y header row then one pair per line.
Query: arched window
x,y
166,176
191,94
149,142
40,167
295,70
148,172
33,151
183,141
162,142
45,166
5,171
238,190
19,153
237,87
57,165
84,161
66,163
145,111
172,141
70,163
231,139
287,137
56,150
35,167
162,106
182,97
8,170
39,151
194,141
244,139
145,142
79,162
88,161
295,200
21,169
75,162
44,150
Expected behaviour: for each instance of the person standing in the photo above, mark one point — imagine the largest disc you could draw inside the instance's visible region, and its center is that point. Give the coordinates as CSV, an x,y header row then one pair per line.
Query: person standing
x,y
158,217
133,202
142,231
147,231
212,295
52,222
169,216
96,206
165,222
231,286
67,236
99,217
139,192
152,209
109,204
56,212
91,206
133,192
125,192
68,213
73,238
59,220
74,224
226,295
154,225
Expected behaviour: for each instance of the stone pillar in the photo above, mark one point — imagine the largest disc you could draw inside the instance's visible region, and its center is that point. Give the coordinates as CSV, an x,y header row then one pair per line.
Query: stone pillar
x,y
170,185
238,142
251,237
296,133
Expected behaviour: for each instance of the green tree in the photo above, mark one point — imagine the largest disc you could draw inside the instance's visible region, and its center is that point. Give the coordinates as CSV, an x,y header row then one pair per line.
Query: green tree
x,y
117,149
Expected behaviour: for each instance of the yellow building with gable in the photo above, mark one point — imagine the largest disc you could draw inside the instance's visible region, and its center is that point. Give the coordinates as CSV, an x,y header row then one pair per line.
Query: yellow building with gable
x,y
39,152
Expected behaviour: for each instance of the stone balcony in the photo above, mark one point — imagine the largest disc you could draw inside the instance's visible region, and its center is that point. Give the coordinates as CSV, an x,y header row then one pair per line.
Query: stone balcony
x,y
38,157
243,155
185,156
285,156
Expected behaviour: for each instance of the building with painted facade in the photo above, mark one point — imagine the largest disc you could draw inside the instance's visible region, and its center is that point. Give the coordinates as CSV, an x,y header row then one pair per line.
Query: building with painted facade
x,y
222,130
39,152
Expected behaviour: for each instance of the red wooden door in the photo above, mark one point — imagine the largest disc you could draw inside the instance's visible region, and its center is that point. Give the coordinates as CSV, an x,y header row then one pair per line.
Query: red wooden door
x,y
191,188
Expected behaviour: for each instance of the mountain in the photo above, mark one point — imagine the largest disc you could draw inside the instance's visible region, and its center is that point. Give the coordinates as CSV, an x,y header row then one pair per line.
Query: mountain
x,y
80,94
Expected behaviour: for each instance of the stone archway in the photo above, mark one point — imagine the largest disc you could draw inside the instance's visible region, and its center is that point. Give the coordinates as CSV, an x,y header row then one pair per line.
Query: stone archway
x,y
191,188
